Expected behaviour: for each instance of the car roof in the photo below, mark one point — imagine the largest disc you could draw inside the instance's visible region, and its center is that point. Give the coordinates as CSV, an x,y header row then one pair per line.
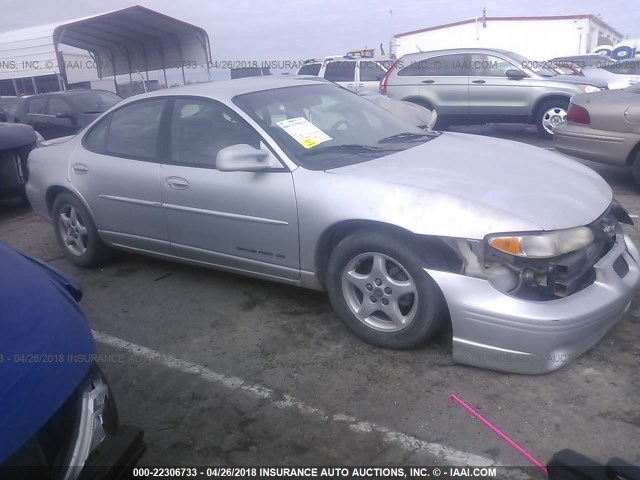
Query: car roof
x,y
225,90
446,51
66,93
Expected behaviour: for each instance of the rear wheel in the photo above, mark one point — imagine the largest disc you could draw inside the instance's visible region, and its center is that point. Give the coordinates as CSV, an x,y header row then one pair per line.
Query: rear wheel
x,y
76,233
377,286
550,115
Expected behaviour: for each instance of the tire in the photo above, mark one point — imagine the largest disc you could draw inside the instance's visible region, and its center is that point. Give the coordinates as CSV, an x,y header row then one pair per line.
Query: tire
x,y
549,115
76,232
635,169
352,286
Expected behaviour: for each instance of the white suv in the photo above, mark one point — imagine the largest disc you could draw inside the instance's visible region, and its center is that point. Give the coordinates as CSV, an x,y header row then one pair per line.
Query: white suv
x,y
356,74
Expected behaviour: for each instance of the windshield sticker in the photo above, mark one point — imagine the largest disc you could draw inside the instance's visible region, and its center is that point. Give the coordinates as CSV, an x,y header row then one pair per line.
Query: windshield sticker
x,y
304,132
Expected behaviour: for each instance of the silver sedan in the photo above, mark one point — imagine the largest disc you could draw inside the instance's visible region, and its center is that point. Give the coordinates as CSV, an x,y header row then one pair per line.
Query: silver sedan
x,y
519,249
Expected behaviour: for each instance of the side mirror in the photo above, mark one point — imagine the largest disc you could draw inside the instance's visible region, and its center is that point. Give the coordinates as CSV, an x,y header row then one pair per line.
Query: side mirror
x,y
515,74
244,158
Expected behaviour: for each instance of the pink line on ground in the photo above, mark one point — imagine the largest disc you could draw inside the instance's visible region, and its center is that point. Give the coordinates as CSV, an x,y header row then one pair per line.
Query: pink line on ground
x,y
500,433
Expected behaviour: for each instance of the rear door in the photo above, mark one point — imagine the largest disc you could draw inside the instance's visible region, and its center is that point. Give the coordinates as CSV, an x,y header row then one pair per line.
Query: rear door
x,y
369,75
117,173
492,93
342,72
442,81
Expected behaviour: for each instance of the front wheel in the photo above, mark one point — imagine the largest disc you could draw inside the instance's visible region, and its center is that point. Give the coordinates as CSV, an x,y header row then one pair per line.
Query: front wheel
x,y
380,291
76,233
550,115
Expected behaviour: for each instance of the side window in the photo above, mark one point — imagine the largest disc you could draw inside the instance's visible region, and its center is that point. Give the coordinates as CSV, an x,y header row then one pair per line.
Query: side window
x,y
134,129
371,72
200,129
58,106
340,71
36,106
310,69
96,139
483,65
443,66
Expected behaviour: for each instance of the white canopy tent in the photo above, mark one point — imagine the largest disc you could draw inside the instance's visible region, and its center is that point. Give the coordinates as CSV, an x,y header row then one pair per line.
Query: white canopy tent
x,y
130,41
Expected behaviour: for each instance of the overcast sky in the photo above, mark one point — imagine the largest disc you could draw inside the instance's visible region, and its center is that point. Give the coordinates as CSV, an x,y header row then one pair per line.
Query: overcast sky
x,y
300,29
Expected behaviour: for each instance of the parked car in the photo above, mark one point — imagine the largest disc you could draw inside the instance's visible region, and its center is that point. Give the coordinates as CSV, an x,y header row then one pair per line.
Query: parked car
x,y
16,141
8,109
58,416
305,183
617,74
604,127
476,86
354,73
60,114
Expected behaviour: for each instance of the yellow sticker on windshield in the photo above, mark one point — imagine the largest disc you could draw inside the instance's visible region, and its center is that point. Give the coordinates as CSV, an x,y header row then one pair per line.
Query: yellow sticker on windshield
x,y
304,132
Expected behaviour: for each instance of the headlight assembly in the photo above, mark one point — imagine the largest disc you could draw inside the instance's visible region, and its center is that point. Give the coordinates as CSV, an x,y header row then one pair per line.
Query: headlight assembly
x,y
542,245
589,88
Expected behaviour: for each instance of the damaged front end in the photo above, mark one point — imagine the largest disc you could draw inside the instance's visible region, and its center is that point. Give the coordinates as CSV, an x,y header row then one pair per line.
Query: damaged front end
x,y
542,266
533,302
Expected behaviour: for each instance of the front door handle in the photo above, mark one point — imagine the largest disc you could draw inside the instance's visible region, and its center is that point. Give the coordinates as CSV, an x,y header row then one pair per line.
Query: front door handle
x,y
80,168
428,81
478,81
177,183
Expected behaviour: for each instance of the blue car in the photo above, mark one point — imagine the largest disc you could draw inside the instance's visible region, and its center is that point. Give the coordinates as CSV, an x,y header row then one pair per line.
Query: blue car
x,y
58,418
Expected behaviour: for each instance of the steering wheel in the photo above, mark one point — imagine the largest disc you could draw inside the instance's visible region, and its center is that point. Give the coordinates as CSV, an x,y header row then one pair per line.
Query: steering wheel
x,y
336,127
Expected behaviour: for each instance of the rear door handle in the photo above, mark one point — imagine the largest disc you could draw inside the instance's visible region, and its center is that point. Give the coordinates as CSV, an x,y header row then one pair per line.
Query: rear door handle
x,y
428,81
80,168
177,183
478,81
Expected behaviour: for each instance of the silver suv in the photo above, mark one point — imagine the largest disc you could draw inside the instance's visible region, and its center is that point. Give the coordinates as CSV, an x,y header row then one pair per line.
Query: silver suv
x,y
476,86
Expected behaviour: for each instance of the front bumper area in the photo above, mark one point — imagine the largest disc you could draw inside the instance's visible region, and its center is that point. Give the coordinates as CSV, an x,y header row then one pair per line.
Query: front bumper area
x,y
500,332
114,457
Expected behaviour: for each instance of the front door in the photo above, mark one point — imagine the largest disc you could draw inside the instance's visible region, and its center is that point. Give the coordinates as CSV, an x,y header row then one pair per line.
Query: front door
x,y
492,94
244,221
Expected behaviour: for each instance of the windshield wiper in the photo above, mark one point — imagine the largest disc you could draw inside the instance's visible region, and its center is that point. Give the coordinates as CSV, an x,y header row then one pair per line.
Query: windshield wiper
x,y
96,111
408,137
349,148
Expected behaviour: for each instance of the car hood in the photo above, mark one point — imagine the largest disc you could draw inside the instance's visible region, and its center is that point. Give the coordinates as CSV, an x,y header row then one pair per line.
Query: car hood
x,y
526,187
46,346
566,78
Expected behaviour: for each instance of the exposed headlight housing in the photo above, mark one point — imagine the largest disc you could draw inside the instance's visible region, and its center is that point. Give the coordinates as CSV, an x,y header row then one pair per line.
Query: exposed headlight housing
x,y
589,88
542,245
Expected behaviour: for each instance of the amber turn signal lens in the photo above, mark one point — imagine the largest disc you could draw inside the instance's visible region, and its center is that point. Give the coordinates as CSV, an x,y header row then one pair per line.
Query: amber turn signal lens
x,y
507,244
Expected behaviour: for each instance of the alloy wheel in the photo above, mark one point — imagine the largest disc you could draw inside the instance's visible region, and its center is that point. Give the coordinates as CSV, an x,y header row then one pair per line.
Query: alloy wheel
x,y
380,292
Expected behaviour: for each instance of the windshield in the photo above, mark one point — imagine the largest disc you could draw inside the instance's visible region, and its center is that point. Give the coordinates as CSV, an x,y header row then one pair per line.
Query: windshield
x,y
624,67
323,126
93,101
539,68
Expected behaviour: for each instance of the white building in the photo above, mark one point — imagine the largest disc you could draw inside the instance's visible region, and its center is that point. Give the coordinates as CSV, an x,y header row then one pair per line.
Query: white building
x,y
537,38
